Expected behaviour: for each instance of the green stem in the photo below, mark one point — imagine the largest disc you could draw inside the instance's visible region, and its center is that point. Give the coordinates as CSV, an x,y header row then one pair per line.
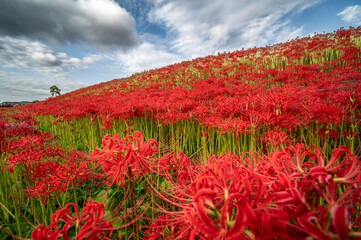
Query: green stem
x,y
75,196
44,221
132,200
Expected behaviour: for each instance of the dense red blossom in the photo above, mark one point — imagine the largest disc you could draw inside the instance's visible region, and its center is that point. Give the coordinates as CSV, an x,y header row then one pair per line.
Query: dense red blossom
x,y
125,158
293,84
91,223
50,169
298,194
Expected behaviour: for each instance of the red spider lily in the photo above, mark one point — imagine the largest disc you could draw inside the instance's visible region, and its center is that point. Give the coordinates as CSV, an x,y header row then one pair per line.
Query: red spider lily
x,y
111,146
122,158
259,165
344,171
50,168
27,158
289,195
46,233
275,138
30,150
92,223
46,183
92,220
340,224
107,122
51,178
232,219
340,217
164,227
309,225
300,199
292,160
171,162
225,201
11,129
228,201
335,183
153,232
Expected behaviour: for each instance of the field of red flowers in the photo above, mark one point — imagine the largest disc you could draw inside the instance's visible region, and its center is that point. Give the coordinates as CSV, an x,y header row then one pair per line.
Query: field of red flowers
x,y
260,143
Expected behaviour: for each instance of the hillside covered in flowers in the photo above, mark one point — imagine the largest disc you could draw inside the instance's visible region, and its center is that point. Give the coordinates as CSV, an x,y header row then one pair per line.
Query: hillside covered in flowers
x,y
262,143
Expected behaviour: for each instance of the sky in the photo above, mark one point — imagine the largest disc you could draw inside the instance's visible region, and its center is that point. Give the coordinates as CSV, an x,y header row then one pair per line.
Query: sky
x,y
78,43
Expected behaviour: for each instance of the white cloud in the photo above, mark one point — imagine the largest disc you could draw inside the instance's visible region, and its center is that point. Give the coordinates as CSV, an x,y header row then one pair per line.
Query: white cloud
x,y
205,27
91,59
351,14
288,32
103,24
80,63
20,58
145,57
267,30
44,59
37,57
18,87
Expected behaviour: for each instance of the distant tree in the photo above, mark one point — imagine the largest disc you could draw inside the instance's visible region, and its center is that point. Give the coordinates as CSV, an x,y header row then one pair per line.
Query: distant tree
x,y
54,90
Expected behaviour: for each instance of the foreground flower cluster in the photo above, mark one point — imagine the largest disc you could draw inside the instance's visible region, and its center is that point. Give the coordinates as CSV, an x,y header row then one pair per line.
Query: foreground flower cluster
x,y
292,193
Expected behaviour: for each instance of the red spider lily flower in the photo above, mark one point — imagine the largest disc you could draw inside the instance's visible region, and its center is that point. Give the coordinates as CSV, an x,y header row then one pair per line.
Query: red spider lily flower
x,y
11,129
27,158
309,225
53,177
107,122
46,233
30,150
172,161
111,146
52,184
92,222
123,158
175,167
289,195
226,201
340,221
344,171
335,183
276,138
292,160
231,221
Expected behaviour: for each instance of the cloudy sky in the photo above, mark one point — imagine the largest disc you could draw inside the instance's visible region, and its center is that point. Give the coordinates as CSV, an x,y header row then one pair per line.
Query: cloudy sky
x,y
77,43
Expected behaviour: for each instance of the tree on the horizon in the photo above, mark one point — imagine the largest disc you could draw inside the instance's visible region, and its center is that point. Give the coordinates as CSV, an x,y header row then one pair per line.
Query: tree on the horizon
x,y
54,90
